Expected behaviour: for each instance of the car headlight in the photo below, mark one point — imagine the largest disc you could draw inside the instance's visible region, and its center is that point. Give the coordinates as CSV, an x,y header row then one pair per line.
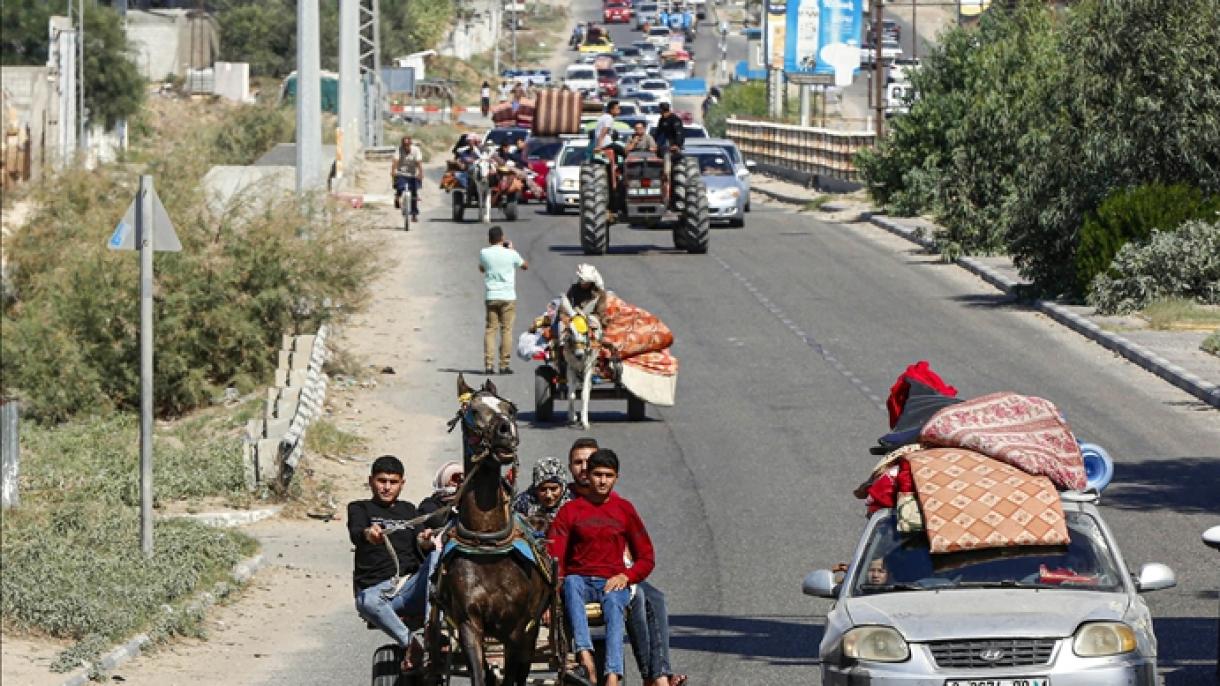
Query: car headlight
x,y
568,184
875,644
1099,639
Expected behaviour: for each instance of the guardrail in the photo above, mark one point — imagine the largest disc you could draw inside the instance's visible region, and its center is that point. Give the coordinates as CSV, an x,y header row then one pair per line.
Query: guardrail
x,y
807,150
274,443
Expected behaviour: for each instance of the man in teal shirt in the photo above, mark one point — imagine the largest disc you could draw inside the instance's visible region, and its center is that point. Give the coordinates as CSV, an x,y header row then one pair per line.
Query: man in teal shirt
x,y
499,263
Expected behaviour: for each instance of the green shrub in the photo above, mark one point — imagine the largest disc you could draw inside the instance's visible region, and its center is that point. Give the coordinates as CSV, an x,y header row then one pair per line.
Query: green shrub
x,y
251,131
1184,264
1211,344
76,571
1130,215
744,98
71,311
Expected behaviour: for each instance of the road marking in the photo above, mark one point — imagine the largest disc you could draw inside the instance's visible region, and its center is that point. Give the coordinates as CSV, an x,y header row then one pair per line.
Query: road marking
x,y
800,333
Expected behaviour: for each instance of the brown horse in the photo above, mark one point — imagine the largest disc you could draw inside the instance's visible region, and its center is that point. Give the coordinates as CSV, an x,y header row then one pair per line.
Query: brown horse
x,y
485,589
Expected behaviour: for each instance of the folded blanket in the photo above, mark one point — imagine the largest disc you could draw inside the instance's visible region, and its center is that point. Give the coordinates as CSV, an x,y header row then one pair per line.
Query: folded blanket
x,y
1024,431
971,502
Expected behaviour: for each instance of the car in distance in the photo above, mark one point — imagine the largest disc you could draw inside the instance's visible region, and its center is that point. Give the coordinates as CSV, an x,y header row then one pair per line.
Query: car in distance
x,y
563,178
1058,616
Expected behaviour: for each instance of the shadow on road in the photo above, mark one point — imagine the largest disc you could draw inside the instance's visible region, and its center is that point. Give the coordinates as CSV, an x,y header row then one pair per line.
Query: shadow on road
x,y
1187,650
561,418
778,640
1178,484
628,249
990,301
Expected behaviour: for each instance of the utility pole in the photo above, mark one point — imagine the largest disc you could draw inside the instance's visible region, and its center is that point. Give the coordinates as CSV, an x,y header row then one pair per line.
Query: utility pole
x,y
878,74
80,60
914,32
495,39
351,107
309,98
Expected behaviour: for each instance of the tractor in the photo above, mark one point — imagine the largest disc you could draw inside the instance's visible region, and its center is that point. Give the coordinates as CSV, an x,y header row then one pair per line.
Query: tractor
x,y
633,188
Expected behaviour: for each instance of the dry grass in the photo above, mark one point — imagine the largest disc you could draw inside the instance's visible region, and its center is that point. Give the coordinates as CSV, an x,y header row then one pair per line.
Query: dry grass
x,y
1179,314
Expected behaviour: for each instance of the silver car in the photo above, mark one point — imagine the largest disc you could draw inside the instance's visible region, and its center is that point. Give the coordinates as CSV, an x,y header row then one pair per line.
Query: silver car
x,y
744,167
1068,616
563,179
726,195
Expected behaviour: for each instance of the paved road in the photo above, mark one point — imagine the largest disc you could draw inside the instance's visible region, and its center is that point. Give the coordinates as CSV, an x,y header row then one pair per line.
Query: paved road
x,y
789,333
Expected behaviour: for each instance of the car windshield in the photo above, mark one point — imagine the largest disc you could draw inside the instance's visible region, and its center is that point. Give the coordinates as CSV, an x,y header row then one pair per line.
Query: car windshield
x,y
714,164
733,153
573,156
658,31
694,132
674,64
627,109
606,74
542,148
895,561
582,74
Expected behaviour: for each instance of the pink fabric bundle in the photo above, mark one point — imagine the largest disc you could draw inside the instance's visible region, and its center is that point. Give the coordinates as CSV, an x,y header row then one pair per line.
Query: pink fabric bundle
x,y
1024,431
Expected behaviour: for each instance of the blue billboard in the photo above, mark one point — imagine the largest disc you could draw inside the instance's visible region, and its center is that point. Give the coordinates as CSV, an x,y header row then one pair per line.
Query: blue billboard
x,y
823,37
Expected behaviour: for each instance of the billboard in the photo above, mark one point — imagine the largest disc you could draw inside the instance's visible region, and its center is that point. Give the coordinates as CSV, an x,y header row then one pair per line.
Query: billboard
x,y
823,37
775,44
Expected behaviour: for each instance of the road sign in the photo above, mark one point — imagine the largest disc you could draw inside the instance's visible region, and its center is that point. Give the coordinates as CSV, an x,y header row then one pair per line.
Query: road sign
x,y
164,237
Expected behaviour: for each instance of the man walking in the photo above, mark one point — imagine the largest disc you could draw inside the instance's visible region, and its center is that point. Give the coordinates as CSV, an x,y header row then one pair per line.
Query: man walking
x,y
498,263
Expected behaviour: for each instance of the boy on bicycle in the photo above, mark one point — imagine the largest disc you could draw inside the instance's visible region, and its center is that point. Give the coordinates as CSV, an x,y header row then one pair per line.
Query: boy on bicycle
x,y
406,171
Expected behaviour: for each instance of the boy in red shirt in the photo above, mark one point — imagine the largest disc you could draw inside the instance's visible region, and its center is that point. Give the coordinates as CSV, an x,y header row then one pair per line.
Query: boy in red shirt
x,y
588,538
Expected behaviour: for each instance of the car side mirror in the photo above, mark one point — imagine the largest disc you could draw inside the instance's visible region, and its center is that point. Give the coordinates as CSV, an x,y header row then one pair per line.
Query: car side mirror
x,y
750,164
820,583
550,164
1155,576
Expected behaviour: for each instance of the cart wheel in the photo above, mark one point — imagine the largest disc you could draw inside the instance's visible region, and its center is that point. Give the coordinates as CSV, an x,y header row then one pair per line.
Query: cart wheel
x,y
544,395
636,409
387,665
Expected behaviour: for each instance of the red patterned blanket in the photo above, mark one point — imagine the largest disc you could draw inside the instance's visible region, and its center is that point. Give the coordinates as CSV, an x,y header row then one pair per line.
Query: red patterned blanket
x,y
971,502
1024,431
638,336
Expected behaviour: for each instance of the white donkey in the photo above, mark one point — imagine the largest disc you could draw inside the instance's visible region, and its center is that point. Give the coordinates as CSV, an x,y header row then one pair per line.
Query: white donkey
x,y
579,345
482,183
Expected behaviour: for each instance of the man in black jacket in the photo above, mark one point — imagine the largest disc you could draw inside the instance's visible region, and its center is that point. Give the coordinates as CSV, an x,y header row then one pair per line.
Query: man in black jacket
x,y
670,138
380,599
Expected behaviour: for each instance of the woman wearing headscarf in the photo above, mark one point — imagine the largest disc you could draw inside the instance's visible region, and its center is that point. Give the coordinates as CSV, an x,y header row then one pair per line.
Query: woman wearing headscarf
x,y
547,492
586,296
445,486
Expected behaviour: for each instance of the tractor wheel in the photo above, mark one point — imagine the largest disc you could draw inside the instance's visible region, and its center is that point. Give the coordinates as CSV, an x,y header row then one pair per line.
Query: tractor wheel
x,y
693,224
459,205
594,215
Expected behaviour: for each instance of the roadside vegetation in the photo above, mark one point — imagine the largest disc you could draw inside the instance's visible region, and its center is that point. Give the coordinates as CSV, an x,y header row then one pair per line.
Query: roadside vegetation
x,y
248,273
1063,137
744,99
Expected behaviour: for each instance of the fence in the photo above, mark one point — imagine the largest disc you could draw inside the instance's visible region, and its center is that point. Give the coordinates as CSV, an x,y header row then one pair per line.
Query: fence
x,y
274,443
809,151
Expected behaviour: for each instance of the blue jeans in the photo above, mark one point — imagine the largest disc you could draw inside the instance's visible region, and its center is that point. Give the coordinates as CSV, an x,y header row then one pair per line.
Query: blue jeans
x,y
578,590
648,630
385,614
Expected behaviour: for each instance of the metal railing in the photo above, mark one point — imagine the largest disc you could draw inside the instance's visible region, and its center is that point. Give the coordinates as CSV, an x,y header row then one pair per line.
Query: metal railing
x,y
808,150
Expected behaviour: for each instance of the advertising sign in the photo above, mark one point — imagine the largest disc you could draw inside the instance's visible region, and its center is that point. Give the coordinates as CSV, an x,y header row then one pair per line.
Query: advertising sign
x,y
823,37
776,45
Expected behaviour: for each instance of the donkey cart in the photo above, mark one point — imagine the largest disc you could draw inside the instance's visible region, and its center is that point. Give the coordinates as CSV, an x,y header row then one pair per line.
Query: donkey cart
x,y
549,384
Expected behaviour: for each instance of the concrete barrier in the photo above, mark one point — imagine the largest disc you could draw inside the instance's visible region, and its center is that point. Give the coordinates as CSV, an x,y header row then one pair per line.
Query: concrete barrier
x,y
274,444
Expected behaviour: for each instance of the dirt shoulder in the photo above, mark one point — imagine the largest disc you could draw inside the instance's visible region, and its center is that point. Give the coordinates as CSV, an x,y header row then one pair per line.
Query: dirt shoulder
x,y
298,610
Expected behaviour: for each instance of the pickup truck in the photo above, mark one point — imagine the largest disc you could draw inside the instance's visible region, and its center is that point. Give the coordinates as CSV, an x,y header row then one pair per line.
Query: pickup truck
x,y
890,51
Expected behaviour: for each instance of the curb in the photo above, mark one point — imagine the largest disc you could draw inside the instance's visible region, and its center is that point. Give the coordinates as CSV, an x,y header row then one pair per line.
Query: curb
x,y
1148,360
242,571
230,519
791,199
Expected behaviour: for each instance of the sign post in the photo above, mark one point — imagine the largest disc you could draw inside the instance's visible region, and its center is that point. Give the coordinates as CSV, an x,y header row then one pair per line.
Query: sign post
x,y
146,227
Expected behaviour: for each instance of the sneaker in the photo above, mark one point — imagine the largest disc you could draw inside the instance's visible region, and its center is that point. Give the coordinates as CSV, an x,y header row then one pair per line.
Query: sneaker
x,y
397,203
489,371
506,370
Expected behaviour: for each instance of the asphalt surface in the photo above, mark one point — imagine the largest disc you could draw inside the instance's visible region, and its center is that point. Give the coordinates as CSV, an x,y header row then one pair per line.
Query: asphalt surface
x,y
789,333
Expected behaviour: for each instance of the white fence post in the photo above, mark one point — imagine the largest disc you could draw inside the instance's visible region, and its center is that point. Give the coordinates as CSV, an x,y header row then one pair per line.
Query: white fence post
x,y
10,454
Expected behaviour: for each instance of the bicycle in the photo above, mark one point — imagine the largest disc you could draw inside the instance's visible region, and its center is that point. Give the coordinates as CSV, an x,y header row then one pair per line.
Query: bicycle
x,y
409,201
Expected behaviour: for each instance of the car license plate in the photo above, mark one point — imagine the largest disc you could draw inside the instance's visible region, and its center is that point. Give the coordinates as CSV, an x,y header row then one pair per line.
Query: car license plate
x,y
1020,681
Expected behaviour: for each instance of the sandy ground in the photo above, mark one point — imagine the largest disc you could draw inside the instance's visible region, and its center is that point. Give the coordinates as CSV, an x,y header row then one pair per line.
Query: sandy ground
x,y
306,580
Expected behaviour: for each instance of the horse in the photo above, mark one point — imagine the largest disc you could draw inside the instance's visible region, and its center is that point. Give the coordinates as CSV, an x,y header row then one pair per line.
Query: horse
x,y
493,593
579,350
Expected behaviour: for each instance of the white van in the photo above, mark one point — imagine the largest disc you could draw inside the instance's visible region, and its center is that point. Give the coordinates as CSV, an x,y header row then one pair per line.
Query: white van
x,y
581,77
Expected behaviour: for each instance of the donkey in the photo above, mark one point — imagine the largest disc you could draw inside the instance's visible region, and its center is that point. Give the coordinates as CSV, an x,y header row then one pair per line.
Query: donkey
x,y
482,183
494,593
580,357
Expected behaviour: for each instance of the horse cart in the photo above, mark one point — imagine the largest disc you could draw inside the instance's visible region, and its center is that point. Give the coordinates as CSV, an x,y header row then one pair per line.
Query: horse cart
x,y
549,384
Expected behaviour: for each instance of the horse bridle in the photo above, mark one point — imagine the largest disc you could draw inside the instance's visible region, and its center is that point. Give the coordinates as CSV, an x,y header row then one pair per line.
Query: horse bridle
x,y
478,444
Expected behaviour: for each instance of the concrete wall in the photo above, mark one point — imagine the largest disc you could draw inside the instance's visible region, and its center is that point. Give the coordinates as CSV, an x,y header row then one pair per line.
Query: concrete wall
x,y
475,36
169,42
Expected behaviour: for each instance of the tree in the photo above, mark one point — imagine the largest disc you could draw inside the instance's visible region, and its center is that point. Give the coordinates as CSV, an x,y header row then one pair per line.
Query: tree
x,y
114,87
24,39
